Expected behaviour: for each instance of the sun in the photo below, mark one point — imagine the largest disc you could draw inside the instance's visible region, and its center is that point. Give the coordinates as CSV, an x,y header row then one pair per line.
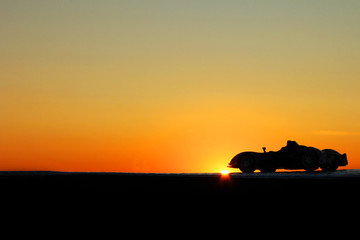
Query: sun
x,y
224,172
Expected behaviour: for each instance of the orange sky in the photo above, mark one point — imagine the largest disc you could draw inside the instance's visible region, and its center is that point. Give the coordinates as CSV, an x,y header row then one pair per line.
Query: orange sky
x,y
178,86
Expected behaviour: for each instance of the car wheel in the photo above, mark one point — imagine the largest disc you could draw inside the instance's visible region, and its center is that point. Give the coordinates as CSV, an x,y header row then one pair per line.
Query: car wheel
x,y
331,167
247,164
310,161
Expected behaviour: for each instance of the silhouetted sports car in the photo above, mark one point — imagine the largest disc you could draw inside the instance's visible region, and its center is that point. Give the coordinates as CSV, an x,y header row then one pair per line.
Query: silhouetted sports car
x,y
292,156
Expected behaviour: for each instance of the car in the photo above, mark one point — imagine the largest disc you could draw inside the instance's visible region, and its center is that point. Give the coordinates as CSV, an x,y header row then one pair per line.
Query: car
x,y
292,156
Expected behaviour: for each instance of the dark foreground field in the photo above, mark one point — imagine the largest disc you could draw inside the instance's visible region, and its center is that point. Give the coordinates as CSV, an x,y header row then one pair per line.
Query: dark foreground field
x,y
255,198
339,183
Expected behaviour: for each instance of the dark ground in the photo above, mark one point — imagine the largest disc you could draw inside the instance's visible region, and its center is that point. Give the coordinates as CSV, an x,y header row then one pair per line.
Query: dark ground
x,y
158,200
341,182
129,204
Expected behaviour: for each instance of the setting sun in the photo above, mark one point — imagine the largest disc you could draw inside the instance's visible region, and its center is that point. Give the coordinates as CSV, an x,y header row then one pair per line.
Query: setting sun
x,y
224,172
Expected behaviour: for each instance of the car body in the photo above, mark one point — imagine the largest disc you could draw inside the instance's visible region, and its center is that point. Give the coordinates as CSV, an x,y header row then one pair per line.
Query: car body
x,y
292,156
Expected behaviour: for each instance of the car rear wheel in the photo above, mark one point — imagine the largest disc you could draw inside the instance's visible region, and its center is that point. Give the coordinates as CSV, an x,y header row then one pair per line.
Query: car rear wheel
x,y
247,164
331,167
310,161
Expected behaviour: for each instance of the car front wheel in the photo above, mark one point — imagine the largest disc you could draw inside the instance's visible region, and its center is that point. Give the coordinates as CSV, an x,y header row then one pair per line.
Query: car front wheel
x,y
247,164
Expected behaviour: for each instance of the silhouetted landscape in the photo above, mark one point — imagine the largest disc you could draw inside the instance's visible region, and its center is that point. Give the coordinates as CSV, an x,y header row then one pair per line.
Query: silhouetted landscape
x,y
343,182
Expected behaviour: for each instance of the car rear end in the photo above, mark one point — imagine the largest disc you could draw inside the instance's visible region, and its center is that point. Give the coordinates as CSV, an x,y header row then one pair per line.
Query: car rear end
x,y
335,158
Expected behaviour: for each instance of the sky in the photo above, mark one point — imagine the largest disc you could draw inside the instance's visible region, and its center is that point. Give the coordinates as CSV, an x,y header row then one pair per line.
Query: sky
x,y
174,86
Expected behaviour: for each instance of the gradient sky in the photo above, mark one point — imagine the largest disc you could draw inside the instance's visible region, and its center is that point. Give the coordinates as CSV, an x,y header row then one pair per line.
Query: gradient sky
x,y
174,86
